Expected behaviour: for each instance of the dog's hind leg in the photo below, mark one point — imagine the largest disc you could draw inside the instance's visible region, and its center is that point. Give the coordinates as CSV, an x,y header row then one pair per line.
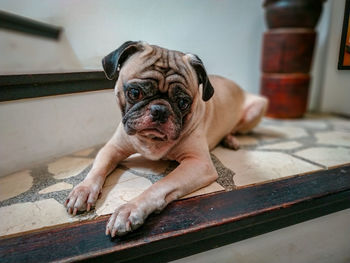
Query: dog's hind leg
x,y
253,111
231,142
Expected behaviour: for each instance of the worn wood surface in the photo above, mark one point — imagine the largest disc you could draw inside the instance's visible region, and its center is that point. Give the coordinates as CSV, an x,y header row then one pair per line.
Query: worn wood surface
x,y
192,225
292,13
287,93
288,50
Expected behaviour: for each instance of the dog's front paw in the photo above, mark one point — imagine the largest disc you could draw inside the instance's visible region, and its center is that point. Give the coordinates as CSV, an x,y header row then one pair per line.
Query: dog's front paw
x,y
83,196
125,219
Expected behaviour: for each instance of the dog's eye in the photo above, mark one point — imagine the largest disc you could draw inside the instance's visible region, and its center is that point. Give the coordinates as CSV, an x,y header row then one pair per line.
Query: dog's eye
x,y
183,103
134,94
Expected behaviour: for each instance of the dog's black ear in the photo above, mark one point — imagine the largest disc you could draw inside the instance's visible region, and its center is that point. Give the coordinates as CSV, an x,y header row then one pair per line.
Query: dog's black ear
x,y
203,79
114,60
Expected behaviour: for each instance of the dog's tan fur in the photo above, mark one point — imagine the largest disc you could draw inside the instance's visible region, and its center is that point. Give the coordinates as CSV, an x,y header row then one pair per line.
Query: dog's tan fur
x,y
229,111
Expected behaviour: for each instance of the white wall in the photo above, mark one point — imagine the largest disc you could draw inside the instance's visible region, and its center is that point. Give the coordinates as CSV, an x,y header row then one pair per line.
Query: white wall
x,y
36,130
336,84
319,59
21,53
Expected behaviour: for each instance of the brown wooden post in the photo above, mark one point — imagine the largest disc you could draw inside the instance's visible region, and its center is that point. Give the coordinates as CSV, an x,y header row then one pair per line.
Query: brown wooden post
x,y
287,53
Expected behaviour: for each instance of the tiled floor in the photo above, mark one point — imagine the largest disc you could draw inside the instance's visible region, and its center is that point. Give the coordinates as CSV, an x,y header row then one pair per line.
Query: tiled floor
x,y
33,198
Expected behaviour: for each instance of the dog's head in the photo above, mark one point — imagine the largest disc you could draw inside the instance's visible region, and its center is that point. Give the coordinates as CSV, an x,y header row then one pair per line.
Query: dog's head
x,y
157,88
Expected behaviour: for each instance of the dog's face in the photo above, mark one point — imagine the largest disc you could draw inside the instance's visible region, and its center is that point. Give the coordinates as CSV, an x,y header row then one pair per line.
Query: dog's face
x,y
157,89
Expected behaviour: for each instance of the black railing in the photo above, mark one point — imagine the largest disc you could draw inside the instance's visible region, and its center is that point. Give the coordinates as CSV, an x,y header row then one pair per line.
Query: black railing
x,y
28,26
15,87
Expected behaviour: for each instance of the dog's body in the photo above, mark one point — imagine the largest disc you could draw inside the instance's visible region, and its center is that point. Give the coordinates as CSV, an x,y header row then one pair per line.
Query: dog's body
x,y
166,115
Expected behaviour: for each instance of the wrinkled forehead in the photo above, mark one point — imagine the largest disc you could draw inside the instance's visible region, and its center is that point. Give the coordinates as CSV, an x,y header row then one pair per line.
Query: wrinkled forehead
x,y
159,64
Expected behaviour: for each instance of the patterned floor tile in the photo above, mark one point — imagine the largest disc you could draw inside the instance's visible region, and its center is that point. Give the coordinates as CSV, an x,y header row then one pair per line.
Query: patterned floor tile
x,y
139,164
56,187
32,215
253,167
84,153
68,166
277,132
281,146
214,187
15,184
115,195
328,157
337,138
119,176
309,122
341,125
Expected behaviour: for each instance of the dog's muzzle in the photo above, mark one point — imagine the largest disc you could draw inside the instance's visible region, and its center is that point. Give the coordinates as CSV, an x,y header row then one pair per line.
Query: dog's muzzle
x,y
159,113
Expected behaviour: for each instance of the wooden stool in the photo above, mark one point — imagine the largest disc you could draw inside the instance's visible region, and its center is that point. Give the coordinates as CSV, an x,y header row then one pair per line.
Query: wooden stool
x,y
287,53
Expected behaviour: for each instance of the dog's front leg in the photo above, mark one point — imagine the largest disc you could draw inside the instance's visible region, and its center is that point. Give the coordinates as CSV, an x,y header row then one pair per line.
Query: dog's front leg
x,y
84,195
192,174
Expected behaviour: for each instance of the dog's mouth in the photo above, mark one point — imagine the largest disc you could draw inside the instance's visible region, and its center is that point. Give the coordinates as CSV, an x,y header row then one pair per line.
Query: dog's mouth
x,y
153,134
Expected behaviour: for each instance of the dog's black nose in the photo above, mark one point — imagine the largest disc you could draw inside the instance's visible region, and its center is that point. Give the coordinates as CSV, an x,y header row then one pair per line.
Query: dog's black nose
x,y
159,113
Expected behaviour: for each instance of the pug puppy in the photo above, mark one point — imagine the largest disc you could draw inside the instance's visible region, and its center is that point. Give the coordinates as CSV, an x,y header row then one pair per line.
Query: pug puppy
x,y
169,111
